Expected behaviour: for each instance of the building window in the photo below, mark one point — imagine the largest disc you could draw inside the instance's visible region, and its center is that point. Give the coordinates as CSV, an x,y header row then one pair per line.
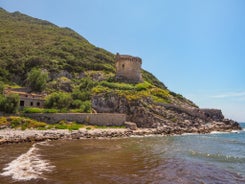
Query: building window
x,y
38,104
22,103
31,103
123,66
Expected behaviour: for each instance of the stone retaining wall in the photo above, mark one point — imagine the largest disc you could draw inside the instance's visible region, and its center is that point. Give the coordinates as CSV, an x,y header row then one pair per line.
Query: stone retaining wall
x,y
102,119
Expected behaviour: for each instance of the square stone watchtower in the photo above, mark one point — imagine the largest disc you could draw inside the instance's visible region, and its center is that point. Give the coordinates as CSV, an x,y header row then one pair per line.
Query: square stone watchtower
x,y
128,68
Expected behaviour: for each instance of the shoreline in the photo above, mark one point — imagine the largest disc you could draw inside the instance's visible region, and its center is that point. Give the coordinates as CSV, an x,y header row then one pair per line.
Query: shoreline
x,y
13,136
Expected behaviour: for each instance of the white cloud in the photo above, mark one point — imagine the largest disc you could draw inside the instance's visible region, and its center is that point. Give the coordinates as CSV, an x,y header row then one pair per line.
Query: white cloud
x,y
229,95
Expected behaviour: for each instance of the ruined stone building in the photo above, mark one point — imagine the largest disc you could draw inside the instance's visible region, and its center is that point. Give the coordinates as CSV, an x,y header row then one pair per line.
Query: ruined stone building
x,y
27,99
128,68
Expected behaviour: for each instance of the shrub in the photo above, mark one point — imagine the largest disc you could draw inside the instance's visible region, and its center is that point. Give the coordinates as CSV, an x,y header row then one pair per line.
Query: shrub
x,y
135,95
2,102
143,86
28,123
119,86
86,84
147,76
100,89
86,106
15,122
50,111
59,100
11,103
3,121
37,79
80,106
76,111
21,122
161,93
76,104
39,110
176,95
1,87
81,95
69,126
32,110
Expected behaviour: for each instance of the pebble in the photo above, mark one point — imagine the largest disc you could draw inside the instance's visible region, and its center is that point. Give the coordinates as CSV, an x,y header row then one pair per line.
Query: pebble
x,y
31,135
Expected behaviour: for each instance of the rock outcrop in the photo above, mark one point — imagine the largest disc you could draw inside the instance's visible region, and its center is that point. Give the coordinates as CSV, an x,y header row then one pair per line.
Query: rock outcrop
x,y
169,118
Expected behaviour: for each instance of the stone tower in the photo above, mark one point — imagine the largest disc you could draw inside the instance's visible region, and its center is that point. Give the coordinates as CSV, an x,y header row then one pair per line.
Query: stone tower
x,y
128,68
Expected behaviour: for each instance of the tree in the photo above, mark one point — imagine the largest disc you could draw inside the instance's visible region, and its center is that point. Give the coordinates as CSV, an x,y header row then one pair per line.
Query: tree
x,y
11,103
1,87
81,95
59,100
37,79
86,84
2,102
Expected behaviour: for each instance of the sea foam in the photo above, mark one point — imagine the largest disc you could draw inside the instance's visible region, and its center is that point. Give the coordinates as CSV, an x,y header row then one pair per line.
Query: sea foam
x,y
28,166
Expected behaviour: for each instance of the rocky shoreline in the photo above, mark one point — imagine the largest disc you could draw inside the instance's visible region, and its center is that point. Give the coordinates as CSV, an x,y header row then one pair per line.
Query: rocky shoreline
x,y
8,136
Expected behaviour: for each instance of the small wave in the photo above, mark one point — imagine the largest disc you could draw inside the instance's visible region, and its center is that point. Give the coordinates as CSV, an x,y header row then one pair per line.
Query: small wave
x,y
149,135
233,131
190,134
236,131
218,157
217,132
28,166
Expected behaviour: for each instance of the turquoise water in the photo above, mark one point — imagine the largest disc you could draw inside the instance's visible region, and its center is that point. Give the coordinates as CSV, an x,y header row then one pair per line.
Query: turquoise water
x,y
187,159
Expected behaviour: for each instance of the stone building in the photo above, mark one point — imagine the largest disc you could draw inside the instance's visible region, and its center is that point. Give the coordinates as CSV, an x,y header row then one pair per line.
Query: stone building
x,y
27,99
128,68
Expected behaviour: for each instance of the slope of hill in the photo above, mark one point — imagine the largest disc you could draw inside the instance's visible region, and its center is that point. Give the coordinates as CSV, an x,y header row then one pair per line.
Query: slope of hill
x,y
28,42
87,73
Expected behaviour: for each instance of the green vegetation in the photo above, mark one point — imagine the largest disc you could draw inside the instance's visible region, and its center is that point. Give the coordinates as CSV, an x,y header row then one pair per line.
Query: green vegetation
x,y
147,76
58,100
134,91
26,123
64,101
106,127
1,87
143,86
23,123
9,103
39,110
63,64
118,86
27,43
69,126
37,79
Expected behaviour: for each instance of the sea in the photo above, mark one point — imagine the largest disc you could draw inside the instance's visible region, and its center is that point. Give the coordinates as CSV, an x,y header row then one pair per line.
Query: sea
x,y
216,158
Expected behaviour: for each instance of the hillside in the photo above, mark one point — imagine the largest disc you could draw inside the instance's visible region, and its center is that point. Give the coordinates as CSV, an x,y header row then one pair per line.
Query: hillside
x,y
77,68
28,42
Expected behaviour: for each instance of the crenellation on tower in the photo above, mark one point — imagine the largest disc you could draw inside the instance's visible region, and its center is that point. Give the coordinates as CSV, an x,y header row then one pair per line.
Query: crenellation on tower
x,y
128,68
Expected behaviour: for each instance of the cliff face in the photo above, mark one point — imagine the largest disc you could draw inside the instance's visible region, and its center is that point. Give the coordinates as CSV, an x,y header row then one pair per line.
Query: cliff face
x,y
167,117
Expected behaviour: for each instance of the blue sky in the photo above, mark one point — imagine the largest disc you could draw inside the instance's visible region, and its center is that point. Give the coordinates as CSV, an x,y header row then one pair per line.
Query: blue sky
x,y
195,47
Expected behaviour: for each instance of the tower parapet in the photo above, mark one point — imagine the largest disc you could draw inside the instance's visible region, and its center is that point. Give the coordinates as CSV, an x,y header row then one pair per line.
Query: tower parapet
x,y
128,68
